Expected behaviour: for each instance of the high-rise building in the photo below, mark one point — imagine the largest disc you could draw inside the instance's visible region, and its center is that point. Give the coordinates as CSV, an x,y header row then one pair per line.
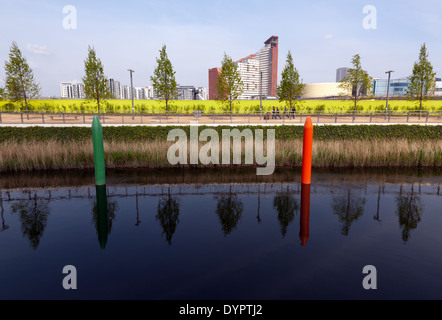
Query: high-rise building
x,y
213,80
264,62
191,93
72,90
114,87
341,73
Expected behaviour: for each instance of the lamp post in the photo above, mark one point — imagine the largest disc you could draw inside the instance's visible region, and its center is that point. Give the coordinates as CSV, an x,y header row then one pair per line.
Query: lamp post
x,y
132,93
260,96
388,91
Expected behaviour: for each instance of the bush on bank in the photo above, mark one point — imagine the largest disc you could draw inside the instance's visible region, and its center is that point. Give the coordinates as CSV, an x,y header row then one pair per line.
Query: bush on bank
x,y
283,132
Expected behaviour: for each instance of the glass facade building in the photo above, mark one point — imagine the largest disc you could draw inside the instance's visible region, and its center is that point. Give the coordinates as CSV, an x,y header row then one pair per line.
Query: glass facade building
x,y
398,87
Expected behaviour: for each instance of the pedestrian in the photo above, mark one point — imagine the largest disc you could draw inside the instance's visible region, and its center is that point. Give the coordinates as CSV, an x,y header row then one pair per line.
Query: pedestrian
x,y
292,111
273,113
277,113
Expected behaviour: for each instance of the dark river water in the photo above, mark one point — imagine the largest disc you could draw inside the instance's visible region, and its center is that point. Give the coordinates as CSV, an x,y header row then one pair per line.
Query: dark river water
x,y
222,235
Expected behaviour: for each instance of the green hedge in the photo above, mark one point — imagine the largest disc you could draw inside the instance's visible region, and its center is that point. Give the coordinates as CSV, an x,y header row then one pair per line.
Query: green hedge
x,y
140,133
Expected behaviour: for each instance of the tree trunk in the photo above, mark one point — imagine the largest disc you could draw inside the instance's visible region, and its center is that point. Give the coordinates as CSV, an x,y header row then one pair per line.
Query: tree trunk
x,y
420,102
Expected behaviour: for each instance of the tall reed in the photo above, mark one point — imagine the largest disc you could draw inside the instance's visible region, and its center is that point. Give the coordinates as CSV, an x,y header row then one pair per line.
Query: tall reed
x,y
33,155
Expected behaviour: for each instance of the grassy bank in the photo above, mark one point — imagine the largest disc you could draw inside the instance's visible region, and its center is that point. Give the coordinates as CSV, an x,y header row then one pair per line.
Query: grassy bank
x,y
55,154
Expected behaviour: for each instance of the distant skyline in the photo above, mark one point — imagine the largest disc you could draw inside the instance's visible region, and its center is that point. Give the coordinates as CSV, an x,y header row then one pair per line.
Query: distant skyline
x,y
321,35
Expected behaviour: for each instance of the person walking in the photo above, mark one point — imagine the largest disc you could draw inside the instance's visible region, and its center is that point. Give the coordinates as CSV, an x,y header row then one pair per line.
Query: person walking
x,y
273,113
277,113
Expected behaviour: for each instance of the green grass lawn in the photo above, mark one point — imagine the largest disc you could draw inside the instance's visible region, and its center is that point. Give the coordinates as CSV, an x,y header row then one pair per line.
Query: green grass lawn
x,y
243,106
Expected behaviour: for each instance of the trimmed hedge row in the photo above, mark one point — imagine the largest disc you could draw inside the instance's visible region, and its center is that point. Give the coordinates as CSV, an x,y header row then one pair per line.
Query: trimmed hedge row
x,y
284,132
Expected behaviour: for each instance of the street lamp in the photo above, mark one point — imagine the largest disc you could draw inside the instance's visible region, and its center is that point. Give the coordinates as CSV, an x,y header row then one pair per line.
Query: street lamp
x,y
260,96
132,92
388,90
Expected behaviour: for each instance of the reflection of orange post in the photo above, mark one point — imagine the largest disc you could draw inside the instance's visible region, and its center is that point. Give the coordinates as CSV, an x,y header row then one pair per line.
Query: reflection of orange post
x,y
305,214
307,152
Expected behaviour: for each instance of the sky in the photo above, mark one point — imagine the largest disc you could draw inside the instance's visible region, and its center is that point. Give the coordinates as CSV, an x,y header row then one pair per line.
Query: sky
x,y
321,36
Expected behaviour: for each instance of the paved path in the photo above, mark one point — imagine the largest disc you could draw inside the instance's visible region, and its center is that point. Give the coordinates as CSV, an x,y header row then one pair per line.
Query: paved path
x,y
118,120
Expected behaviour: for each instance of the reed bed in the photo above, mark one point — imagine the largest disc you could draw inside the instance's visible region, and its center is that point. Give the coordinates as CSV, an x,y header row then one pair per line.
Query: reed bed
x,y
55,155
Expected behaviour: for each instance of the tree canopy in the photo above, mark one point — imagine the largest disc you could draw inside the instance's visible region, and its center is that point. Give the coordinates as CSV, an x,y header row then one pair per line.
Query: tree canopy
x,y
19,83
94,81
163,79
291,86
229,85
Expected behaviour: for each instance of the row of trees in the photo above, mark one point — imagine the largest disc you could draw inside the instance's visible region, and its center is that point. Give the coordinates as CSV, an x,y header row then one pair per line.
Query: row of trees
x,y
20,84
356,85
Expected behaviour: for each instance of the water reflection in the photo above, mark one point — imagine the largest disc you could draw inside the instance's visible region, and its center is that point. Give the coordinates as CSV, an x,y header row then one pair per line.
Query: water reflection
x,y
348,207
231,202
286,205
2,211
103,214
167,214
304,228
33,214
409,211
229,210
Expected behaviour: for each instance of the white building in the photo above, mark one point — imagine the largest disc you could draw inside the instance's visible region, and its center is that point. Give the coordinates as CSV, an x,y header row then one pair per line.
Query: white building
x,y
69,90
438,87
249,72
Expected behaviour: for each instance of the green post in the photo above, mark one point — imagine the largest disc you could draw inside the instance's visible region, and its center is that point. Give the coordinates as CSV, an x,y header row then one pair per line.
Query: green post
x,y
97,139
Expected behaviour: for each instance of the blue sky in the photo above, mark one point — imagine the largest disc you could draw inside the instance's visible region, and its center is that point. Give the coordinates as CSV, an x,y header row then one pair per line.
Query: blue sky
x,y
321,35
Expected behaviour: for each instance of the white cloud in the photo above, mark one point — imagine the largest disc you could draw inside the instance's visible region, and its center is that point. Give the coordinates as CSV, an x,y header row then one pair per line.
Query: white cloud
x,y
32,64
328,36
37,49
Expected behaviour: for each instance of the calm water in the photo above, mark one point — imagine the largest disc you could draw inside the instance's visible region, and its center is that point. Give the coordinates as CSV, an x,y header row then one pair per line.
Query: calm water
x,y
222,236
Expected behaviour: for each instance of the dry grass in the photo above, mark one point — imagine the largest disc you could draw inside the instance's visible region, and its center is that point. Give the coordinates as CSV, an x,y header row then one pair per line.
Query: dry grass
x,y
27,156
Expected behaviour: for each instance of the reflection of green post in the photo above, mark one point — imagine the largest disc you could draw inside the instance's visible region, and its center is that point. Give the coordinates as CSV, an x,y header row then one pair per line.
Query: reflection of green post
x,y
102,218
97,139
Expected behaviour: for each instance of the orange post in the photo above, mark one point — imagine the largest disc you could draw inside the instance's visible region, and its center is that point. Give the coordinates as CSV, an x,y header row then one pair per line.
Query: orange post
x,y
307,152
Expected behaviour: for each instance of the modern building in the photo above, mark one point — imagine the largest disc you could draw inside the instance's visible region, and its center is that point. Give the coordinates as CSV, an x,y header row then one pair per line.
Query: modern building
x,y
438,88
114,88
263,63
249,71
213,80
72,90
191,93
324,90
341,73
398,87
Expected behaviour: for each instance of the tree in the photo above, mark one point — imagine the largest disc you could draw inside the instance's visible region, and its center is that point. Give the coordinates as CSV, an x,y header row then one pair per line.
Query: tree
x,y
229,210
33,217
168,212
291,85
286,205
357,83
422,80
229,85
348,209
20,84
2,93
409,211
94,81
163,79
